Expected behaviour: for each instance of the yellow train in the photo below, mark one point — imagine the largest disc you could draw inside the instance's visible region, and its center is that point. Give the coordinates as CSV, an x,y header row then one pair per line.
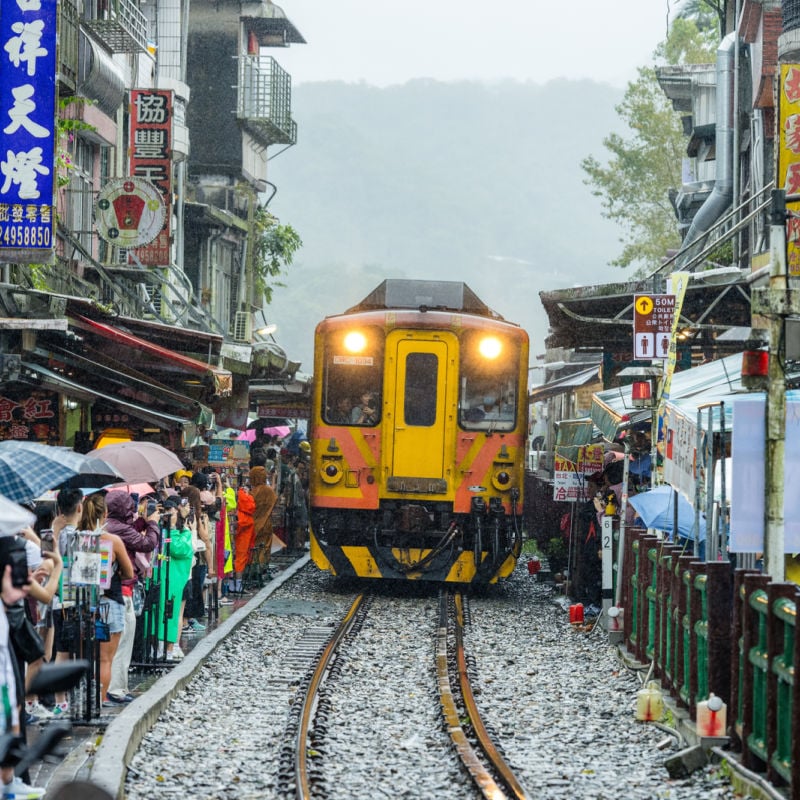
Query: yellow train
x,y
418,437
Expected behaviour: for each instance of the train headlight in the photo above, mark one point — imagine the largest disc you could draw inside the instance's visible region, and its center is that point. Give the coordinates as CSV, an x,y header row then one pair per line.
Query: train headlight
x,y
355,342
330,472
490,347
502,480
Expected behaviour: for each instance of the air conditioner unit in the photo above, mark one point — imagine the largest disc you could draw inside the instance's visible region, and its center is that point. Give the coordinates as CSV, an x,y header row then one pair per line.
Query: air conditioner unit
x,y
243,327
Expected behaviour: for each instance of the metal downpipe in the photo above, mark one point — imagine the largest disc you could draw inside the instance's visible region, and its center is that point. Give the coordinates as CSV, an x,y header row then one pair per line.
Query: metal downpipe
x,y
721,196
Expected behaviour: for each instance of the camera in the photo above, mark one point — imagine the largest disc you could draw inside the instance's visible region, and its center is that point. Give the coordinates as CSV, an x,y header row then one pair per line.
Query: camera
x,y
12,551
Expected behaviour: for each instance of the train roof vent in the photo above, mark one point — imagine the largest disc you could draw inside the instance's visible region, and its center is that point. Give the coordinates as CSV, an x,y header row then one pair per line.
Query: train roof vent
x,y
434,295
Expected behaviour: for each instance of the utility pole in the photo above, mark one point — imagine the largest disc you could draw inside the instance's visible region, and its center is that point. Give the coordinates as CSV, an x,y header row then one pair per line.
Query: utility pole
x,y
775,303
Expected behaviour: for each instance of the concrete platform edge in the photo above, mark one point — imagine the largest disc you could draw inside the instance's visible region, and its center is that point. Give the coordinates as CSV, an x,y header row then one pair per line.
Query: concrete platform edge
x,y
124,735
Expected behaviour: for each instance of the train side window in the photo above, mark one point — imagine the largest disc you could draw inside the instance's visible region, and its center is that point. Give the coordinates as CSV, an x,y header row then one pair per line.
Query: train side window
x,y
419,403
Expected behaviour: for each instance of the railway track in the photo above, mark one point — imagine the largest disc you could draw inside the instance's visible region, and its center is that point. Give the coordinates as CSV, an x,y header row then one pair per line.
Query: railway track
x,y
302,763
250,720
475,746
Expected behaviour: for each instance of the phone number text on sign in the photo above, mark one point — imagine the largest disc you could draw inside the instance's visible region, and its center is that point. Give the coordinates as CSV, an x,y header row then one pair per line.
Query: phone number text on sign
x,y
19,236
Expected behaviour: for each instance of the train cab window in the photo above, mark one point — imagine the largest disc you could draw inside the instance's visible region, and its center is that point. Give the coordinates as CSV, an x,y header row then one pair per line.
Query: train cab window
x,y
352,382
419,402
488,385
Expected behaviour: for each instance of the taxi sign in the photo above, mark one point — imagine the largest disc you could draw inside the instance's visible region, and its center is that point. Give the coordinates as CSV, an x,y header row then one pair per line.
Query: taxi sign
x,y
652,325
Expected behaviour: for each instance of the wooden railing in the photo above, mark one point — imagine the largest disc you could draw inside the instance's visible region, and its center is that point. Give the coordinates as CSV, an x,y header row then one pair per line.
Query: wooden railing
x,y
708,628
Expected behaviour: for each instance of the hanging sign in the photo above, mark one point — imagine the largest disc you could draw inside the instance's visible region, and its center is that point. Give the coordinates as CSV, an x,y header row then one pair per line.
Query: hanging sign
x,y
652,325
129,212
788,172
150,138
569,477
27,130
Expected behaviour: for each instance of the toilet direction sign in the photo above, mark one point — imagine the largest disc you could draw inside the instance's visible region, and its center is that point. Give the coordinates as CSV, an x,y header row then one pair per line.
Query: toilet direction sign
x,y
652,325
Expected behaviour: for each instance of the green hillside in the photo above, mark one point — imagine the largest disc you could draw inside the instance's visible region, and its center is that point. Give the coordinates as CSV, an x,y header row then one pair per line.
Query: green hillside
x,y
452,181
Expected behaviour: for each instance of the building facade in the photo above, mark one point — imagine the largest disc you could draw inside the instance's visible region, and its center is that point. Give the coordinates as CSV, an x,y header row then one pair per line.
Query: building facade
x,y
127,283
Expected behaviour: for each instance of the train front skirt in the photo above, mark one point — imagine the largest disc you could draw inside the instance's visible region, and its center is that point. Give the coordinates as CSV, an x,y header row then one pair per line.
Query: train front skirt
x,y
393,563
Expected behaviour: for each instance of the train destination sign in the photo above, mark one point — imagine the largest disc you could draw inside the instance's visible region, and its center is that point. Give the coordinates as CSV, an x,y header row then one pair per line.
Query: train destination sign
x,y
652,325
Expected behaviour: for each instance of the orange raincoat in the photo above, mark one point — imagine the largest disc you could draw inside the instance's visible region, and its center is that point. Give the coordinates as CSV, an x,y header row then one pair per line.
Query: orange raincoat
x,y
245,530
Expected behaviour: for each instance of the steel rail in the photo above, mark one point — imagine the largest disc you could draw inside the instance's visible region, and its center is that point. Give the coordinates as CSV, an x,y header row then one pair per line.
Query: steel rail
x,y
310,700
474,761
484,739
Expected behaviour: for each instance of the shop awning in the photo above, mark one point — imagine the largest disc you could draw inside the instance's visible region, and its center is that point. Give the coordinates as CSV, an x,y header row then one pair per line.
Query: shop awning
x,y
566,383
222,378
41,376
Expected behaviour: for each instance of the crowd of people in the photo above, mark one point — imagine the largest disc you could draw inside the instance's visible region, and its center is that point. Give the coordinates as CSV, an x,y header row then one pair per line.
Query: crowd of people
x,y
192,544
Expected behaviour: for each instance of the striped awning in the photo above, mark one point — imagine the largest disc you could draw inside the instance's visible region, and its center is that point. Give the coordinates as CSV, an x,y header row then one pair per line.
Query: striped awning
x,y
222,378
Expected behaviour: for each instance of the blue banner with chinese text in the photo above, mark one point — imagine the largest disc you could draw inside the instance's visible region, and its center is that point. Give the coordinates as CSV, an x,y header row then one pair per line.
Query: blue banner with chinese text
x,y
27,128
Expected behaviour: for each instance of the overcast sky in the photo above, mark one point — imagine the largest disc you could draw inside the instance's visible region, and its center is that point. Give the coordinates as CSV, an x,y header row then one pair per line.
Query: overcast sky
x,y
385,42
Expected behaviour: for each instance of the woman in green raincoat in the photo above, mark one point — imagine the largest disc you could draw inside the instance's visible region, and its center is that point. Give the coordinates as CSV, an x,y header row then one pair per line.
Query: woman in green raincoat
x,y
176,567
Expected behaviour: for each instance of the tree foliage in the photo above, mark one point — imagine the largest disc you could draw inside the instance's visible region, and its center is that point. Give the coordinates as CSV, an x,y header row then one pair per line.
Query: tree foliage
x,y
634,186
274,247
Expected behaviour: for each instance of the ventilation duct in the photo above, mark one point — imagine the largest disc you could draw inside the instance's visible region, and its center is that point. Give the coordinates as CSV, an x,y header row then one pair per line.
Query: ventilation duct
x,y
99,76
722,195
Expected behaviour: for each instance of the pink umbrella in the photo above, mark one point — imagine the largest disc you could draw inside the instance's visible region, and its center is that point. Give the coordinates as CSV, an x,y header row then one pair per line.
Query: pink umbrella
x,y
132,488
276,430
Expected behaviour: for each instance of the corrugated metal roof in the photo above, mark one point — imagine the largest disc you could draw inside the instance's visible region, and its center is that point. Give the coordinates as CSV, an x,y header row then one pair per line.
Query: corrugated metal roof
x,y
564,384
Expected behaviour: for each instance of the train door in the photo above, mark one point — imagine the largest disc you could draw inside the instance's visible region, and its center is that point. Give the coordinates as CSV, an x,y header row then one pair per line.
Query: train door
x,y
418,418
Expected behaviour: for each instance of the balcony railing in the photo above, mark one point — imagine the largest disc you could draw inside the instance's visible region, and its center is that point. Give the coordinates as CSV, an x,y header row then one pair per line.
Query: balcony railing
x,y
264,105
69,26
118,23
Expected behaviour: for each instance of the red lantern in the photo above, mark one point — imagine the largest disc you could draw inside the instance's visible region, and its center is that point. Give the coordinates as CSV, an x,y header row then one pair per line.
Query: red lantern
x,y
642,394
755,362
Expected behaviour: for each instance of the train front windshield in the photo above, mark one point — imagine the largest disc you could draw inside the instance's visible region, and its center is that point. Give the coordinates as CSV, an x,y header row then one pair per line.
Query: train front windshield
x,y
353,378
489,382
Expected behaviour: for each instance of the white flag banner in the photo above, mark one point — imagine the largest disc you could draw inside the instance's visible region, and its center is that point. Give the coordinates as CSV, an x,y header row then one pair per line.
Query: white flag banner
x,y
748,446
791,468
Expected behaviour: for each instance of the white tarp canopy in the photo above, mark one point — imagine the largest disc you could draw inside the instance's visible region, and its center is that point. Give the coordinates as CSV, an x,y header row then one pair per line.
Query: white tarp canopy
x,y
691,388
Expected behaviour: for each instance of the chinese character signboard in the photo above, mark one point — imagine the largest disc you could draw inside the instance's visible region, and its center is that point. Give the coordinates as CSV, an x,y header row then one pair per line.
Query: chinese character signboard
x,y
29,416
27,123
652,325
569,477
680,452
151,158
293,412
788,175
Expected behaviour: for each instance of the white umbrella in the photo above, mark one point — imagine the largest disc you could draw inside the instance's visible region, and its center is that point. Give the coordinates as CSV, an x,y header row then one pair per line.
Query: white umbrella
x,y
139,462
13,517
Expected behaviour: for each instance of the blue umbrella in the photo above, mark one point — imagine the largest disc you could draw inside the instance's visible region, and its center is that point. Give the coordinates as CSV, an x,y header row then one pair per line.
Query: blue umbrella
x,y
656,509
28,468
